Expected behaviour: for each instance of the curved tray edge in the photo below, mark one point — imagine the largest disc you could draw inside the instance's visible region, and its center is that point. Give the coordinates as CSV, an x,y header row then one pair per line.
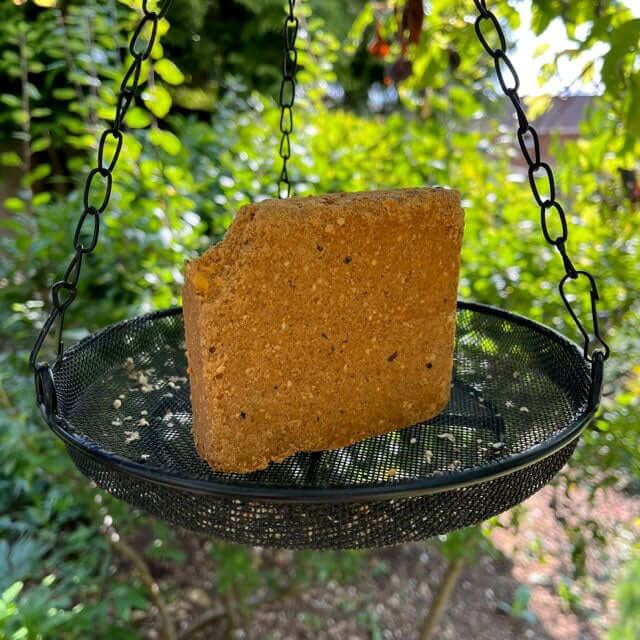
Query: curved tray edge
x,y
394,490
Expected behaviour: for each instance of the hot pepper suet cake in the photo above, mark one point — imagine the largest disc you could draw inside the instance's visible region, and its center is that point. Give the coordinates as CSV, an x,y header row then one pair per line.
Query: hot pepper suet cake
x,y
321,321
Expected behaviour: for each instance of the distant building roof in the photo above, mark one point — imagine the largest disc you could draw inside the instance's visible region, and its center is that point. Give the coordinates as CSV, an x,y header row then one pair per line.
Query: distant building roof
x,y
564,115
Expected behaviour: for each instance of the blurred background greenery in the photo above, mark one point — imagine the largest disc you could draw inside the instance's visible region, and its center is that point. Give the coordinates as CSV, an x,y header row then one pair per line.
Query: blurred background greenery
x,y
371,112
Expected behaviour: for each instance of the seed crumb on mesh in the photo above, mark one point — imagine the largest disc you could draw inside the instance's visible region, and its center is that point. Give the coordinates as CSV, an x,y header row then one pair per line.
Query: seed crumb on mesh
x,y
117,403
524,409
516,374
122,396
413,440
143,422
497,445
428,455
392,473
129,364
116,423
447,436
509,404
144,412
127,418
145,456
132,436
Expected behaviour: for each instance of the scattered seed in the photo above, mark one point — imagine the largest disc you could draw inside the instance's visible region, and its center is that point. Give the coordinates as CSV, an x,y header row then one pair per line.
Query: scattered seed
x,y
524,409
127,418
497,445
392,357
429,365
413,440
447,436
116,423
143,422
509,404
145,456
121,396
117,403
347,260
144,412
428,455
516,374
392,473
129,364
132,436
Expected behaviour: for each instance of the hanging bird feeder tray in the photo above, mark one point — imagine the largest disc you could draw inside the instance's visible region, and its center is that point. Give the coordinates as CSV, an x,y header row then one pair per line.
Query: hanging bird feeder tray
x,y
521,396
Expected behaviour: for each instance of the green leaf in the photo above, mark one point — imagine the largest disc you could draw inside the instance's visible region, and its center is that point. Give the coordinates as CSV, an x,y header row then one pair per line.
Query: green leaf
x,y
39,173
138,118
10,100
65,93
40,144
12,592
169,72
41,199
14,204
20,116
41,112
166,140
10,159
158,100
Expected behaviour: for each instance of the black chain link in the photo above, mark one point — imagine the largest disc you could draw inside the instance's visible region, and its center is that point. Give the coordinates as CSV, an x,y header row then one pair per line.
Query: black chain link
x,y
510,84
64,292
287,95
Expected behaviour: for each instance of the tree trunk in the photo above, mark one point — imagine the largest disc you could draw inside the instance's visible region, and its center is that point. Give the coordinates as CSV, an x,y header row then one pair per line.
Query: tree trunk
x,y
443,596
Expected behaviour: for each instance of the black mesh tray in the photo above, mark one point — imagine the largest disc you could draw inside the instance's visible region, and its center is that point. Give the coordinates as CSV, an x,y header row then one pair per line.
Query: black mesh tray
x,y
520,399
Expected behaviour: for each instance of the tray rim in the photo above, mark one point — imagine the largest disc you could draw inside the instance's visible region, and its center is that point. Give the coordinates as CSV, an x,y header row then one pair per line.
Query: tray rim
x,y
396,489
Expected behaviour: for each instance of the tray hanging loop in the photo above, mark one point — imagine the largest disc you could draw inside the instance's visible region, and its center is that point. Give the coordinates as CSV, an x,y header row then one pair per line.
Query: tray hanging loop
x,y
546,200
64,292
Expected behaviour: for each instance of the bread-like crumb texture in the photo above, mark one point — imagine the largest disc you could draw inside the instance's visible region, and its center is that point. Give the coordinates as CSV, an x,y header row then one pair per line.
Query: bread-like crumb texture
x,y
321,321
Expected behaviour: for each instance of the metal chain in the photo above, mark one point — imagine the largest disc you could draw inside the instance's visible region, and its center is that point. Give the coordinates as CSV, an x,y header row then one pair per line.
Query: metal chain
x,y
287,94
510,84
64,292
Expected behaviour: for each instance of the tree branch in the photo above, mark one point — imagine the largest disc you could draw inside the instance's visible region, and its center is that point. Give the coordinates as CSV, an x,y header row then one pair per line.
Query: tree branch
x,y
141,567
443,596
220,612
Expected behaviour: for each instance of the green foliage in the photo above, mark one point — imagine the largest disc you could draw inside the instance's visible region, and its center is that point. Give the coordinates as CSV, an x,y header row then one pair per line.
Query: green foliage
x,y
201,142
628,601
519,607
611,23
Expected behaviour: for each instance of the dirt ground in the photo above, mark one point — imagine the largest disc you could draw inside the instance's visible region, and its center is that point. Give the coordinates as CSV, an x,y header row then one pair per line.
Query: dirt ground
x,y
395,586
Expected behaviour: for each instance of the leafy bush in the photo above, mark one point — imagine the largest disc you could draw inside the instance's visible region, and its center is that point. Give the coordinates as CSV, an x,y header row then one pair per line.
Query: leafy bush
x,y
183,173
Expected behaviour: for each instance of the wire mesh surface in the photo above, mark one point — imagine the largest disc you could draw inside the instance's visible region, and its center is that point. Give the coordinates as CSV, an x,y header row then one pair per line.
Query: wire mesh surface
x,y
519,399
